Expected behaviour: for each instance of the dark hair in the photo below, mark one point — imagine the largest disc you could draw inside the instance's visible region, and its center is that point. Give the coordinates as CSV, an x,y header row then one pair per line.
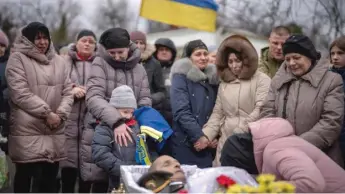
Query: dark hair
x,y
281,30
228,51
339,42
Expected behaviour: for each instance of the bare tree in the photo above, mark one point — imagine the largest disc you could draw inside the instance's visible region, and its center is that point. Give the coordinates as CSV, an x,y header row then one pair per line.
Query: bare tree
x,y
59,16
111,13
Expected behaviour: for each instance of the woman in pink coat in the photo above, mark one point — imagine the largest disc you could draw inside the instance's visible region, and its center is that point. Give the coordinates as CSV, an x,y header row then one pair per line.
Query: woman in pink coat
x,y
278,151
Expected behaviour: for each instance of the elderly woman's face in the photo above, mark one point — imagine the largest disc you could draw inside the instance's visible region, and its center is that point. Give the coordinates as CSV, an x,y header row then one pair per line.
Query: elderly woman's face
x,y
298,64
235,64
41,42
200,58
169,164
86,45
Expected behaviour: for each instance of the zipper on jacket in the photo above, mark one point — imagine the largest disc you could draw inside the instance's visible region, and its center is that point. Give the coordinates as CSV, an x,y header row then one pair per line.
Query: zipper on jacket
x,y
297,97
79,114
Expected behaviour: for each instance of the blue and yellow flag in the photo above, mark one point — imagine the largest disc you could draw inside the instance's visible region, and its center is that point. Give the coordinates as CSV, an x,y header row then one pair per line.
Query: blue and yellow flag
x,y
195,14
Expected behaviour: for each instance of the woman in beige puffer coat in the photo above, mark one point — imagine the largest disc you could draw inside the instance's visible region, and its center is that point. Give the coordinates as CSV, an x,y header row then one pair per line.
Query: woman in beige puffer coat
x,y
41,99
79,59
240,94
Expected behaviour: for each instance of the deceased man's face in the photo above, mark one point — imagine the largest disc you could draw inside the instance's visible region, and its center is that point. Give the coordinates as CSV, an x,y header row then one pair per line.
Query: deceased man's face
x,y
169,164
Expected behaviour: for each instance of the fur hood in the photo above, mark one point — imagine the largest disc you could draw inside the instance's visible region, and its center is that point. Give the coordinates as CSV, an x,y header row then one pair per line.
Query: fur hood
x,y
186,67
149,50
26,47
246,50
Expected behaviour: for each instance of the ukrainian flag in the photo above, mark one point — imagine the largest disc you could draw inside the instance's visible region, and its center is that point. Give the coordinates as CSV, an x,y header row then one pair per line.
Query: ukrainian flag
x,y
195,14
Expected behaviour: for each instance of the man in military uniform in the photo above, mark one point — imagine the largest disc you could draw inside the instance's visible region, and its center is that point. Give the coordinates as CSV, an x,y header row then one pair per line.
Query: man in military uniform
x,y
272,56
164,176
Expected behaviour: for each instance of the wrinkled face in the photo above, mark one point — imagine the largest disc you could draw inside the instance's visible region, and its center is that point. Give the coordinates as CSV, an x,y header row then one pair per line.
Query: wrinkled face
x,y
119,54
41,42
235,64
200,58
276,46
337,57
212,57
126,113
86,45
141,45
164,54
2,50
297,63
169,164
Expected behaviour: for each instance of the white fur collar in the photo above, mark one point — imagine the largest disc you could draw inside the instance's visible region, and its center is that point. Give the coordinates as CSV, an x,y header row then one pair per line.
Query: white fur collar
x,y
185,66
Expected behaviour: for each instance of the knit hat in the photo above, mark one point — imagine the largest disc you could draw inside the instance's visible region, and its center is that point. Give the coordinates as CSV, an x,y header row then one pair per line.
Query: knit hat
x,y
194,45
3,39
83,33
137,35
123,97
115,38
302,45
30,31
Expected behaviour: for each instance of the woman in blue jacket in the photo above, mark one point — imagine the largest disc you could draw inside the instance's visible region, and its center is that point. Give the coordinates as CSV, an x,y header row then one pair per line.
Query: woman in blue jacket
x,y
193,94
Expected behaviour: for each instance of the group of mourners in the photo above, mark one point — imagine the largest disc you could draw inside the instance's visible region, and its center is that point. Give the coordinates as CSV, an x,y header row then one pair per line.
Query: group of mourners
x,y
75,115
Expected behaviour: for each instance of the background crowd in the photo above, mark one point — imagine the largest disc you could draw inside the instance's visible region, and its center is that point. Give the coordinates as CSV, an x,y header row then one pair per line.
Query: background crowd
x,y
68,113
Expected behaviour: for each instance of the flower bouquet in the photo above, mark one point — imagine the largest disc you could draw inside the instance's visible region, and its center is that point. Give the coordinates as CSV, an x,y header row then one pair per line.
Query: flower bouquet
x,y
266,184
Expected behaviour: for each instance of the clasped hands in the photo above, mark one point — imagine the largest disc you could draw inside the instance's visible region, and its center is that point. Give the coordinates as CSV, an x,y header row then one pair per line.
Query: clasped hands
x,y
53,120
204,142
79,91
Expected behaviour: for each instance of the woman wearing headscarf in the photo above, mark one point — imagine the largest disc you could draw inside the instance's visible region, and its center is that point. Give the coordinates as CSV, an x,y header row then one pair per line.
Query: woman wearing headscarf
x,y
79,58
308,95
41,100
116,64
241,93
193,92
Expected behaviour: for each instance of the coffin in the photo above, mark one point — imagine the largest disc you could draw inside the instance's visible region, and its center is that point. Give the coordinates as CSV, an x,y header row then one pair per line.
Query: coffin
x,y
198,180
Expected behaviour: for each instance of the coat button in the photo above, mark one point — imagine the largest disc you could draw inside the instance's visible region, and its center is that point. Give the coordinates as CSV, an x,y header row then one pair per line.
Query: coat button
x,y
206,97
192,94
197,116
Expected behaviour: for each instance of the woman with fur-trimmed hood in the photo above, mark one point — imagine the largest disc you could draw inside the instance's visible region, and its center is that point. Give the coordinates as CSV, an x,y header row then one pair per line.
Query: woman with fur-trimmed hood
x,y
193,91
241,93
152,66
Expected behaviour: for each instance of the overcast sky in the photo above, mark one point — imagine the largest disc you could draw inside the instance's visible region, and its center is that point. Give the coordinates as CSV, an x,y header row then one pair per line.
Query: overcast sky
x,y
89,9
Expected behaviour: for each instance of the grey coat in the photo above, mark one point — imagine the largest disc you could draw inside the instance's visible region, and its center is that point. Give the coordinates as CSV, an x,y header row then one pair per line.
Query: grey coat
x,y
313,104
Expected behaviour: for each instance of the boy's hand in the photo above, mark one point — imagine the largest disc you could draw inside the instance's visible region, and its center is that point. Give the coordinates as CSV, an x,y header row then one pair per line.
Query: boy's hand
x,y
121,134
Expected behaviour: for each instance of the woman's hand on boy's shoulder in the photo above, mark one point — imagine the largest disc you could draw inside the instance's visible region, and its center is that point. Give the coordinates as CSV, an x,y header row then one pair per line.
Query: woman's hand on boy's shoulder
x,y
122,133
